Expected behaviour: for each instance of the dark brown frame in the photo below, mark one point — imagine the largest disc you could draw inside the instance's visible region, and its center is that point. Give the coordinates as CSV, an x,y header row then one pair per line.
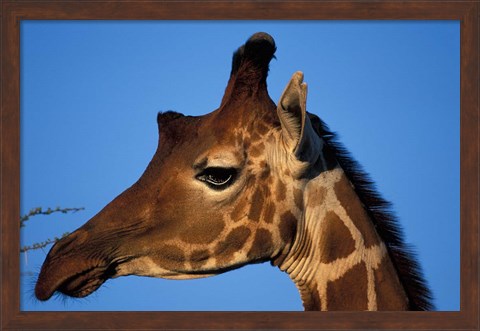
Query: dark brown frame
x,y
467,12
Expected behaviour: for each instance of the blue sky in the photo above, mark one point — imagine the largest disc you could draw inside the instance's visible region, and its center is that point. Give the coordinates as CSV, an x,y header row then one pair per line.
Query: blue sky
x,y
90,92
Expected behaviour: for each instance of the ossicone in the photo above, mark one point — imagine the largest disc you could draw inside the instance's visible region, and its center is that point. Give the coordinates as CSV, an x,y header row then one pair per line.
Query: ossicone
x,y
250,66
257,52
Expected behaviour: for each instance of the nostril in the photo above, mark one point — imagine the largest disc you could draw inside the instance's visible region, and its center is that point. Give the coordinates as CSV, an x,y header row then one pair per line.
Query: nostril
x,y
77,237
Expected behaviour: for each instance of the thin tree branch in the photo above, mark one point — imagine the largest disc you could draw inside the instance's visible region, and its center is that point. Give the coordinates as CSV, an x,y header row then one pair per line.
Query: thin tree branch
x,y
42,244
40,211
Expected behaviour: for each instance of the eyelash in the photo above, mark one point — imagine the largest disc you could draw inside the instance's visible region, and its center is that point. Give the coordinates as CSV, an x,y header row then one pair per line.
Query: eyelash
x,y
217,178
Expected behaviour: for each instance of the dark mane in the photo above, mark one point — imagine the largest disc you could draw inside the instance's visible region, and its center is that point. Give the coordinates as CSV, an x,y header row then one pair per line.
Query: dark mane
x,y
386,223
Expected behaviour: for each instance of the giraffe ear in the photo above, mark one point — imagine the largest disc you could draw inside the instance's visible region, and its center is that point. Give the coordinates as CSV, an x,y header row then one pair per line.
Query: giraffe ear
x,y
297,131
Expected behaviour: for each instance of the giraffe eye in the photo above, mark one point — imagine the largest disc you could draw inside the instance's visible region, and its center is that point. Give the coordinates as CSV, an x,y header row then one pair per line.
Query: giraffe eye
x,y
217,178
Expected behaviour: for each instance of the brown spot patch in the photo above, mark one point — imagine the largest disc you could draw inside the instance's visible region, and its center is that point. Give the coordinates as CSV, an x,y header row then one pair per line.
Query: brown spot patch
x,y
390,294
256,136
257,205
240,210
170,257
336,240
229,139
262,245
350,291
262,128
316,196
246,142
350,201
257,150
269,212
298,198
250,125
199,257
271,139
202,232
280,190
265,172
239,138
288,226
311,299
232,243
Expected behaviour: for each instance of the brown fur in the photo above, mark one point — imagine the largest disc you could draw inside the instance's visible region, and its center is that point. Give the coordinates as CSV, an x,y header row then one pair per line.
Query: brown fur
x,y
257,150
387,290
233,242
205,233
337,242
356,211
310,297
350,291
298,198
269,212
239,211
262,244
257,203
288,223
172,257
280,190
199,257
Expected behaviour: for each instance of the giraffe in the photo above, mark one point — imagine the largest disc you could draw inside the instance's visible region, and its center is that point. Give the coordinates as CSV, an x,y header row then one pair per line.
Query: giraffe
x,y
250,182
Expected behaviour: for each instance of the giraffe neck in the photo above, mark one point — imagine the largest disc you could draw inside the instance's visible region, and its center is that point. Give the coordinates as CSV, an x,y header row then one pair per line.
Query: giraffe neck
x,y
338,261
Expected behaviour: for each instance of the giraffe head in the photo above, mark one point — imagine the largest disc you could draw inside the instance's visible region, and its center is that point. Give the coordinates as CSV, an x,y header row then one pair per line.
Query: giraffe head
x,y
222,190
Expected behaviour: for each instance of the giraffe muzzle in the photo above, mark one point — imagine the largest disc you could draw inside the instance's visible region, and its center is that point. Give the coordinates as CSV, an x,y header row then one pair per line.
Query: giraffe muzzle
x,y
76,281
72,283
73,268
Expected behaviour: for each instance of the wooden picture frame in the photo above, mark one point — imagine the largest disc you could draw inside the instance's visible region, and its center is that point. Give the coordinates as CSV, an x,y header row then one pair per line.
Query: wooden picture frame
x,y
13,12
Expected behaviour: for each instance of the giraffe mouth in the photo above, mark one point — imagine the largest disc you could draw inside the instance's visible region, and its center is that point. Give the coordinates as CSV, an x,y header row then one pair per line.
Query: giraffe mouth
x,y
74,283
84,283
